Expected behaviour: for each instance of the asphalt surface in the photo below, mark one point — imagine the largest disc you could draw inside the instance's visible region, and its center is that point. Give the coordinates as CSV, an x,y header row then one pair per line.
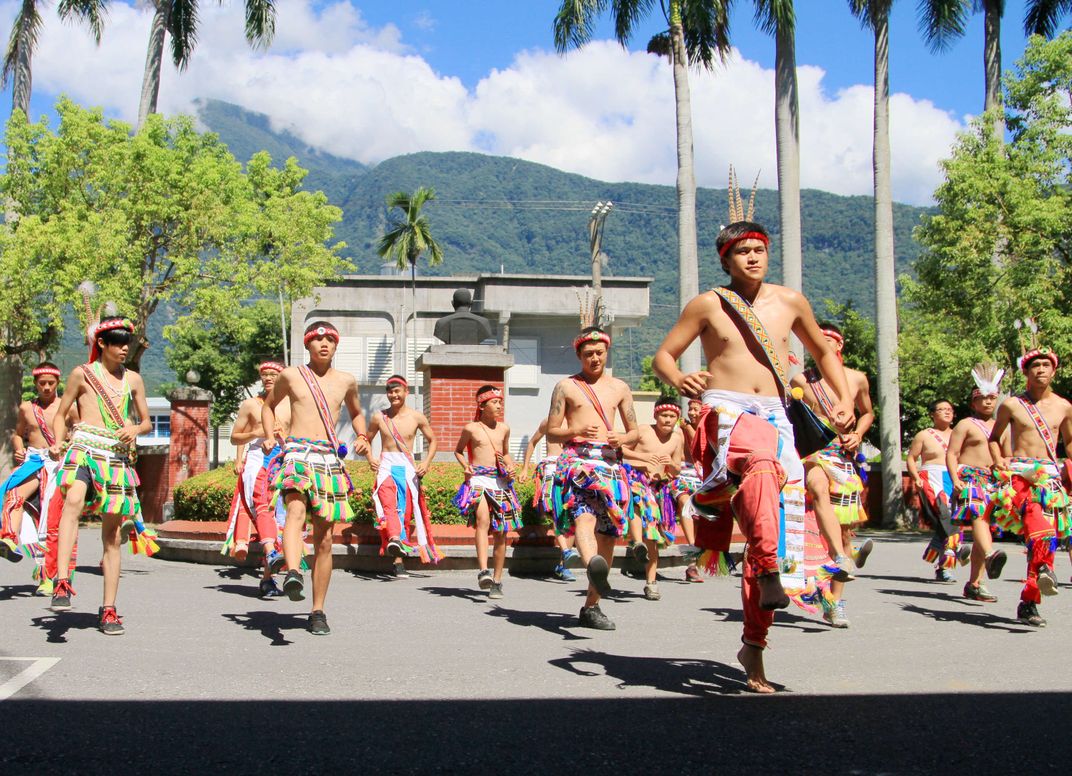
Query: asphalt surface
x,y
426,675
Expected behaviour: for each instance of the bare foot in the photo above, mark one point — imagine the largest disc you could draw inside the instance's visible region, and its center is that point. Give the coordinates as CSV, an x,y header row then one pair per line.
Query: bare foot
x,y
752,659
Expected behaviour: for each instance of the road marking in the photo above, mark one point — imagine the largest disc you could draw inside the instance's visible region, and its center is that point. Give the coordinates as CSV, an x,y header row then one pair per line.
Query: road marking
x,y
38,666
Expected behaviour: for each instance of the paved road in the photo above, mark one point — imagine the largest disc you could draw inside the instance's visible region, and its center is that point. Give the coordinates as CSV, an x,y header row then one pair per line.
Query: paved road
x,y
426,675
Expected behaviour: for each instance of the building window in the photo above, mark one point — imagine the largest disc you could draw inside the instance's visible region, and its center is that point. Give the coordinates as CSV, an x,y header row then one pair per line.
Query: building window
x,y
525,373
161,426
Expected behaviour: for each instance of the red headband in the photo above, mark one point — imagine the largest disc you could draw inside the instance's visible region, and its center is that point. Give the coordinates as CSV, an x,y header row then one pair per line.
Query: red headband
x,y
321,331
592,336
118,323
483,398
397,381
833,335
1042,352
270,366
667,408
746,236
976,392
45,370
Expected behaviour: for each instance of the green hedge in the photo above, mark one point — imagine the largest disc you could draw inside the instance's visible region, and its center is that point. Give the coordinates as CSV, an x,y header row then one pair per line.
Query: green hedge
x,y
208,496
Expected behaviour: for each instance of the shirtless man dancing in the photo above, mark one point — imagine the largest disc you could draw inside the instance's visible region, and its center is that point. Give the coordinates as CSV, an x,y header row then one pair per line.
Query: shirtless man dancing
x,y
402,516
745,468
589,470
1038,501
313,482
253,505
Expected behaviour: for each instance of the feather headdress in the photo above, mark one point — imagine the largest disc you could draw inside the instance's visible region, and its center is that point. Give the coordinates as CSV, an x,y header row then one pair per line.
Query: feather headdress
x,y
737,211
1035,351
987,377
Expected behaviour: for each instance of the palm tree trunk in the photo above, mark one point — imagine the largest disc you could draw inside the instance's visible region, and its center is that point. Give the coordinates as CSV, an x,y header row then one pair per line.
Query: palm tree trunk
x,y
154,58
886,287
687,254
411,356
787,144
992,62
10,396
22,78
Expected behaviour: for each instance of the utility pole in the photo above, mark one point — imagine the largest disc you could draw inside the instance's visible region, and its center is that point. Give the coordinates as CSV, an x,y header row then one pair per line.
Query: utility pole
x,y
595,241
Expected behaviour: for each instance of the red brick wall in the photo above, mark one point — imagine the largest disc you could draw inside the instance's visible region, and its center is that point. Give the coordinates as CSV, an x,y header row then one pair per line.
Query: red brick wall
x,y
450,398
153,493
189,442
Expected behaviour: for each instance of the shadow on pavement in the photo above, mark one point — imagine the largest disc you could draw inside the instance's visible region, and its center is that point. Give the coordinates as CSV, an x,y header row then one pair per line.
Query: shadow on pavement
x,y
56,625
683,734
782,619
246,591
271,625
233,572
930,595
17,591
552,622
980,619
685,677
476,596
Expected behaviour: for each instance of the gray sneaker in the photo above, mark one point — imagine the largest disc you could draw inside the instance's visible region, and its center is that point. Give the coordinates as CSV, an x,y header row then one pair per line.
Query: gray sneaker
x,y
484,580
294,586
860,556
495,591
109,622
318,623
651,591
598,572
593,617
1047,580
836,617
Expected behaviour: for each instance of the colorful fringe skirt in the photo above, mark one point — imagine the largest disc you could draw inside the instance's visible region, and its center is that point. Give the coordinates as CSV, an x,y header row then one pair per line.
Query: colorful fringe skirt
x,y
498,491
113,480
311,467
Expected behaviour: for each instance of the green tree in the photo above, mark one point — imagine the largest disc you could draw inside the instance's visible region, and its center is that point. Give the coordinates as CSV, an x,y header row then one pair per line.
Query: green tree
x,y
408,236
698,33
649,381
164,214
18,62
177,20
962,304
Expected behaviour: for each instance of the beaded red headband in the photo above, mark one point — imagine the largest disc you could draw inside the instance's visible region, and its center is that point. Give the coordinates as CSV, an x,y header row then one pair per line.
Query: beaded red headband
x,y
483,398
667,408
45,370
117,323
322,331
833,335
1035,354
270,366
591,336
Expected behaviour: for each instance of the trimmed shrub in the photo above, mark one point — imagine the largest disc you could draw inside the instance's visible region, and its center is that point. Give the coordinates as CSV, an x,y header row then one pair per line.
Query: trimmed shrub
x,y
208,496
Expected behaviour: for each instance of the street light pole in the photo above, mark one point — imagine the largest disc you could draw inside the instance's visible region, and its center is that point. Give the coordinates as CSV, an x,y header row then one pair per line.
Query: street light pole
x,y
595,240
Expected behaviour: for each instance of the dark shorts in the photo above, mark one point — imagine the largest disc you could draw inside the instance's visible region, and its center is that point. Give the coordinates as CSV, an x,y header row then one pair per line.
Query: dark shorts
x,y
591,504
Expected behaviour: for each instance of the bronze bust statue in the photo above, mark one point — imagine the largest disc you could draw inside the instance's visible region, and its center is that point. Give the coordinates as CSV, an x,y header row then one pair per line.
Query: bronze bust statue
x,y
463,326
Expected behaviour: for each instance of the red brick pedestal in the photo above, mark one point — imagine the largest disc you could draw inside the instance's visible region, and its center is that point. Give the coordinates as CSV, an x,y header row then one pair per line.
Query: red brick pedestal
x,y
452,375
188,454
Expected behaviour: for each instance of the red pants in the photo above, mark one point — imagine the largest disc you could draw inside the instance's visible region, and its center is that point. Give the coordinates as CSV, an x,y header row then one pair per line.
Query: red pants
x,y
52,539
393,523
1041,537
753,458
264,514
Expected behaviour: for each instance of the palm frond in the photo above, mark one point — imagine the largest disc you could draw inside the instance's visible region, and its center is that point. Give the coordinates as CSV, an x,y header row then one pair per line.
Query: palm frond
x,y
90,12
182,27
575,22
408,233
660,44
260,23
1041,16
869,12
627,16
943,21
774,15
25,31
706,25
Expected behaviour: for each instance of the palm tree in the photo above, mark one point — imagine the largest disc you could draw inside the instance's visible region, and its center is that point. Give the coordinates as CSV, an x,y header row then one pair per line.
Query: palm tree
x,y
1041,16
178,18
697,32
23,41
875,15
409,235
944,20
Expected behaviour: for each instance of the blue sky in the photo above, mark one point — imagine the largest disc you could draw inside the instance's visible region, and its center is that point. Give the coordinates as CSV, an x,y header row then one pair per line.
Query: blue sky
x,y
373,79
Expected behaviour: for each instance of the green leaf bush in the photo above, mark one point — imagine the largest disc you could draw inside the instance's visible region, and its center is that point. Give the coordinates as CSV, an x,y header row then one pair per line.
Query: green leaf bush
x,y
207,496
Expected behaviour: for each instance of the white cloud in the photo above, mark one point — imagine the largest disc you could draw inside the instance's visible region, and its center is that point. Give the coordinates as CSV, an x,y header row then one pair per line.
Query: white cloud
x,y
424,21
359,91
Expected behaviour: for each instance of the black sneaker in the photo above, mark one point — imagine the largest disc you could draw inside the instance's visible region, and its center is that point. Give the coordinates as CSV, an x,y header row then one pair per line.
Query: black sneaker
x,y
484,580
318,623
979,593
495,591
275,561
944,575
269,590
109,622
593,617
598,573
398,571
1047,580
860,556
61,595
1027,613
995,562
395,548
963,554
294,586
